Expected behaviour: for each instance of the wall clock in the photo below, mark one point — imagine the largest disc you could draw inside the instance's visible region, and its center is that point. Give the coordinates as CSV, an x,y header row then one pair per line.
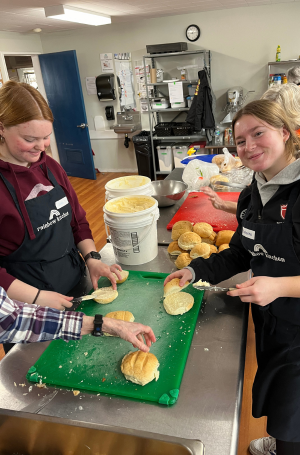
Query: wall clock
x,y
193,32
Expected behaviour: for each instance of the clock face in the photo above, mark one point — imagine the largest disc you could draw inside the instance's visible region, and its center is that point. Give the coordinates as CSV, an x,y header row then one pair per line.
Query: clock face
x,y
193,32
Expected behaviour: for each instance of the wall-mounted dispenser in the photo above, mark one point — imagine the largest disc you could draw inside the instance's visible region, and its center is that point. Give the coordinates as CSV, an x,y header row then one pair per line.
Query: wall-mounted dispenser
x,y
105,84
109,113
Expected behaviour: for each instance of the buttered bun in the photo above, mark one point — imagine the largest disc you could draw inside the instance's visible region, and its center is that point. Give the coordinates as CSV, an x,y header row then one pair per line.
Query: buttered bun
x,y
121,315
124,274
188,240
223,237
174,249
140,367
203,229
183,260
105,295
178,303
173,286
202,250
180,228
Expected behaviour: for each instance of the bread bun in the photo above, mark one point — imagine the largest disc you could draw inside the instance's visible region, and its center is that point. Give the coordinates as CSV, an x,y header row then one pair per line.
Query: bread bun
x,y
210,240
203,229
218,160
105,295
224,246
140,367
178,303
188,240
121,315
223,237
202,250
173,286
180,228
183,260
174,249
218,178
213,249
124,275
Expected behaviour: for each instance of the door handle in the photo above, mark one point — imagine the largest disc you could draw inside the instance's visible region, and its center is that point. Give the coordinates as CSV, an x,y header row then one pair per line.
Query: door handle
x,y
82,125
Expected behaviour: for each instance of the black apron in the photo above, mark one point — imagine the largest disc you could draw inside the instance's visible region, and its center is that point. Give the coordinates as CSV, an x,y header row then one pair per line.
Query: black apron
x,y
276,388
51,261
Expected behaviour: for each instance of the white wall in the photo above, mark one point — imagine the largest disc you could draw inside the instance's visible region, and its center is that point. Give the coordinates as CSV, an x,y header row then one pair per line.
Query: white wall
x,y
242,41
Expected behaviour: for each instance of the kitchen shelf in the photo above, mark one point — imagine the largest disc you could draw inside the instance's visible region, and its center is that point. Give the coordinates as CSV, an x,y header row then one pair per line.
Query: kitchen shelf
x,y
202,60
284,62
171,109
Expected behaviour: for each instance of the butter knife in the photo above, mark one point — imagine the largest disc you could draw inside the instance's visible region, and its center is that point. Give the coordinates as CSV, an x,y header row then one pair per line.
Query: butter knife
x,y
212,288
232,185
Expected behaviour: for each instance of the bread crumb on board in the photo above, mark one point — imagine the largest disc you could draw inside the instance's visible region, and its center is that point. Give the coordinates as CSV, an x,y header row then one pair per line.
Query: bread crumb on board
x,y
76,392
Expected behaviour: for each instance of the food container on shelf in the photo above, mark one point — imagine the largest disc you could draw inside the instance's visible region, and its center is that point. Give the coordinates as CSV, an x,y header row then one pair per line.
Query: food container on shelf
x,y
179,153
178,104
160,103
165,157
192,89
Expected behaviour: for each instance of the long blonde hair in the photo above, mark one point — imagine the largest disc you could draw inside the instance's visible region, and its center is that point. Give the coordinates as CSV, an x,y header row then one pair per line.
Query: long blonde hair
x,y
20,103
273,114
288,96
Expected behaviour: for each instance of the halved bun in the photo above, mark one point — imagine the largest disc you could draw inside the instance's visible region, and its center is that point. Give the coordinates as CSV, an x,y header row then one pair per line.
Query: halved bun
x,y
124,275
211,239
174,249
121,315
183,260
173,286
223,237
140,367
178,303
201,250
105,295
180,228
188,240
224,246
203,229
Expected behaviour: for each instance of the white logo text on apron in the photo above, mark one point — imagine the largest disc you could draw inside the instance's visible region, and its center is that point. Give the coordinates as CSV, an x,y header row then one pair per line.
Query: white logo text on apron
x,y
248,233
259,250
61,203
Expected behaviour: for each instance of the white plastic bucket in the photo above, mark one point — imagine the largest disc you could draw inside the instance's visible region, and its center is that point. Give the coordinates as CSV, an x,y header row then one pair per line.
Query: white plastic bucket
x,y
133,235
127,186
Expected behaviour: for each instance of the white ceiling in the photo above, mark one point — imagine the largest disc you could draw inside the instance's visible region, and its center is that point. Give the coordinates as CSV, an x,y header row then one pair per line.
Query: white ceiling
x,y
24,15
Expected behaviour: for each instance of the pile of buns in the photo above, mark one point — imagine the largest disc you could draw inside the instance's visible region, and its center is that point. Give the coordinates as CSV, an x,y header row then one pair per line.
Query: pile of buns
x,y
194,241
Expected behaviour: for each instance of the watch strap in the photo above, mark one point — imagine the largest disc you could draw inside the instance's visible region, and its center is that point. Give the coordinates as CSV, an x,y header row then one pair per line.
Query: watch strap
x,y
98,321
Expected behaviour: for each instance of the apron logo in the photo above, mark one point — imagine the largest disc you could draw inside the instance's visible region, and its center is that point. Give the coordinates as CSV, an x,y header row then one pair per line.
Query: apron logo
x,y
259,250
283,211
243,213
52,213
248,233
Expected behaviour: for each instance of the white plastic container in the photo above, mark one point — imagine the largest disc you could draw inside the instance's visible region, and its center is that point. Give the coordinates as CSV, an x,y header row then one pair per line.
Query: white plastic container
x,y
133,235
127,186
192,89
165,157
178,104
160,103
179,153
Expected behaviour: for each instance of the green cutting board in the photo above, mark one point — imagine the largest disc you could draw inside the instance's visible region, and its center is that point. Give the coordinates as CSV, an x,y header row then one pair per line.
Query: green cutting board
x,y
94,363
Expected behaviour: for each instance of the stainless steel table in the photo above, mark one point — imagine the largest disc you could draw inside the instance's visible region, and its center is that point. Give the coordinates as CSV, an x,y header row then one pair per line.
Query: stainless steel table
x,y
209,403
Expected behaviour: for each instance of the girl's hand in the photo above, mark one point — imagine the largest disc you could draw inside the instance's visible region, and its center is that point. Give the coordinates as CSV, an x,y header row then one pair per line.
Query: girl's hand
x,y
261,290
98,269
217,202
54,300
184,275
141,336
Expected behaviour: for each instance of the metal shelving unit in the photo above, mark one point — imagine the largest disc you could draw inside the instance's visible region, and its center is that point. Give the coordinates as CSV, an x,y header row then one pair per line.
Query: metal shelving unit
x,y
178,59
281,67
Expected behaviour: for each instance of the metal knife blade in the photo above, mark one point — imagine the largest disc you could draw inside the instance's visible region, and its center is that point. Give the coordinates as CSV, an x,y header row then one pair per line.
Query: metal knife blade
x,y
212,288
233,185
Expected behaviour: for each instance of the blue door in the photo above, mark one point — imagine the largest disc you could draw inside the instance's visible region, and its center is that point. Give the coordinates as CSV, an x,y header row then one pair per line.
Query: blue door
x,y
63,88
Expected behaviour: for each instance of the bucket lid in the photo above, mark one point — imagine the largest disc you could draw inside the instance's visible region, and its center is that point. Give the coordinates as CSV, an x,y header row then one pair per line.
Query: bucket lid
x,y
127,182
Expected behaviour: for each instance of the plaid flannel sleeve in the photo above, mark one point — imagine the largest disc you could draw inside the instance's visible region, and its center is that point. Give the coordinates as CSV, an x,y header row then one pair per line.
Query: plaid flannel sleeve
x,y
25,323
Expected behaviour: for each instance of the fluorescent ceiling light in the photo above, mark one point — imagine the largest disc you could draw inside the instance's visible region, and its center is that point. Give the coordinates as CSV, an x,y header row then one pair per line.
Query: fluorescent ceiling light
x,y
81,16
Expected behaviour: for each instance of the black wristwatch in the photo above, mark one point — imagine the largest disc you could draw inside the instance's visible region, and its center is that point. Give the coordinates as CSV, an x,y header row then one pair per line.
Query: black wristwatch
x,y
93,255
98,321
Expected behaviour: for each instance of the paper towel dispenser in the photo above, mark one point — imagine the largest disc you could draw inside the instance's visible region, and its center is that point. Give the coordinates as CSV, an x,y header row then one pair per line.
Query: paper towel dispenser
x,y
105,84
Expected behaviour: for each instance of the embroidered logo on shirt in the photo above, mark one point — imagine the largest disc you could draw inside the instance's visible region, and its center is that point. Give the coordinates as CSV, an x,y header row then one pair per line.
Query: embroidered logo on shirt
x,y
283,210
52,213
259,250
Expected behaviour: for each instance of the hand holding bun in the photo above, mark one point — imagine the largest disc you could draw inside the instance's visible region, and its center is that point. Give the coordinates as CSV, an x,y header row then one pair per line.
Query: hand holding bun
x,y
173,286
122,316
188,240
223,237
124,275
140,367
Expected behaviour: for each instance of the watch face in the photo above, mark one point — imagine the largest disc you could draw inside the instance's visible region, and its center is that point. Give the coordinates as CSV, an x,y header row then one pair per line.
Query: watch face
x,y
95,255
193,32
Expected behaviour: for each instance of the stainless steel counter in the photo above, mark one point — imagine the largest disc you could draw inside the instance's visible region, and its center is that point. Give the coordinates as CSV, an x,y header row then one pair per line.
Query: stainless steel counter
x,y
209,402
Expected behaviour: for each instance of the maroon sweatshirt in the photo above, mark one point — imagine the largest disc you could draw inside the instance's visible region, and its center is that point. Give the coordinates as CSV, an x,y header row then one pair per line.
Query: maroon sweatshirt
x,y
29,183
